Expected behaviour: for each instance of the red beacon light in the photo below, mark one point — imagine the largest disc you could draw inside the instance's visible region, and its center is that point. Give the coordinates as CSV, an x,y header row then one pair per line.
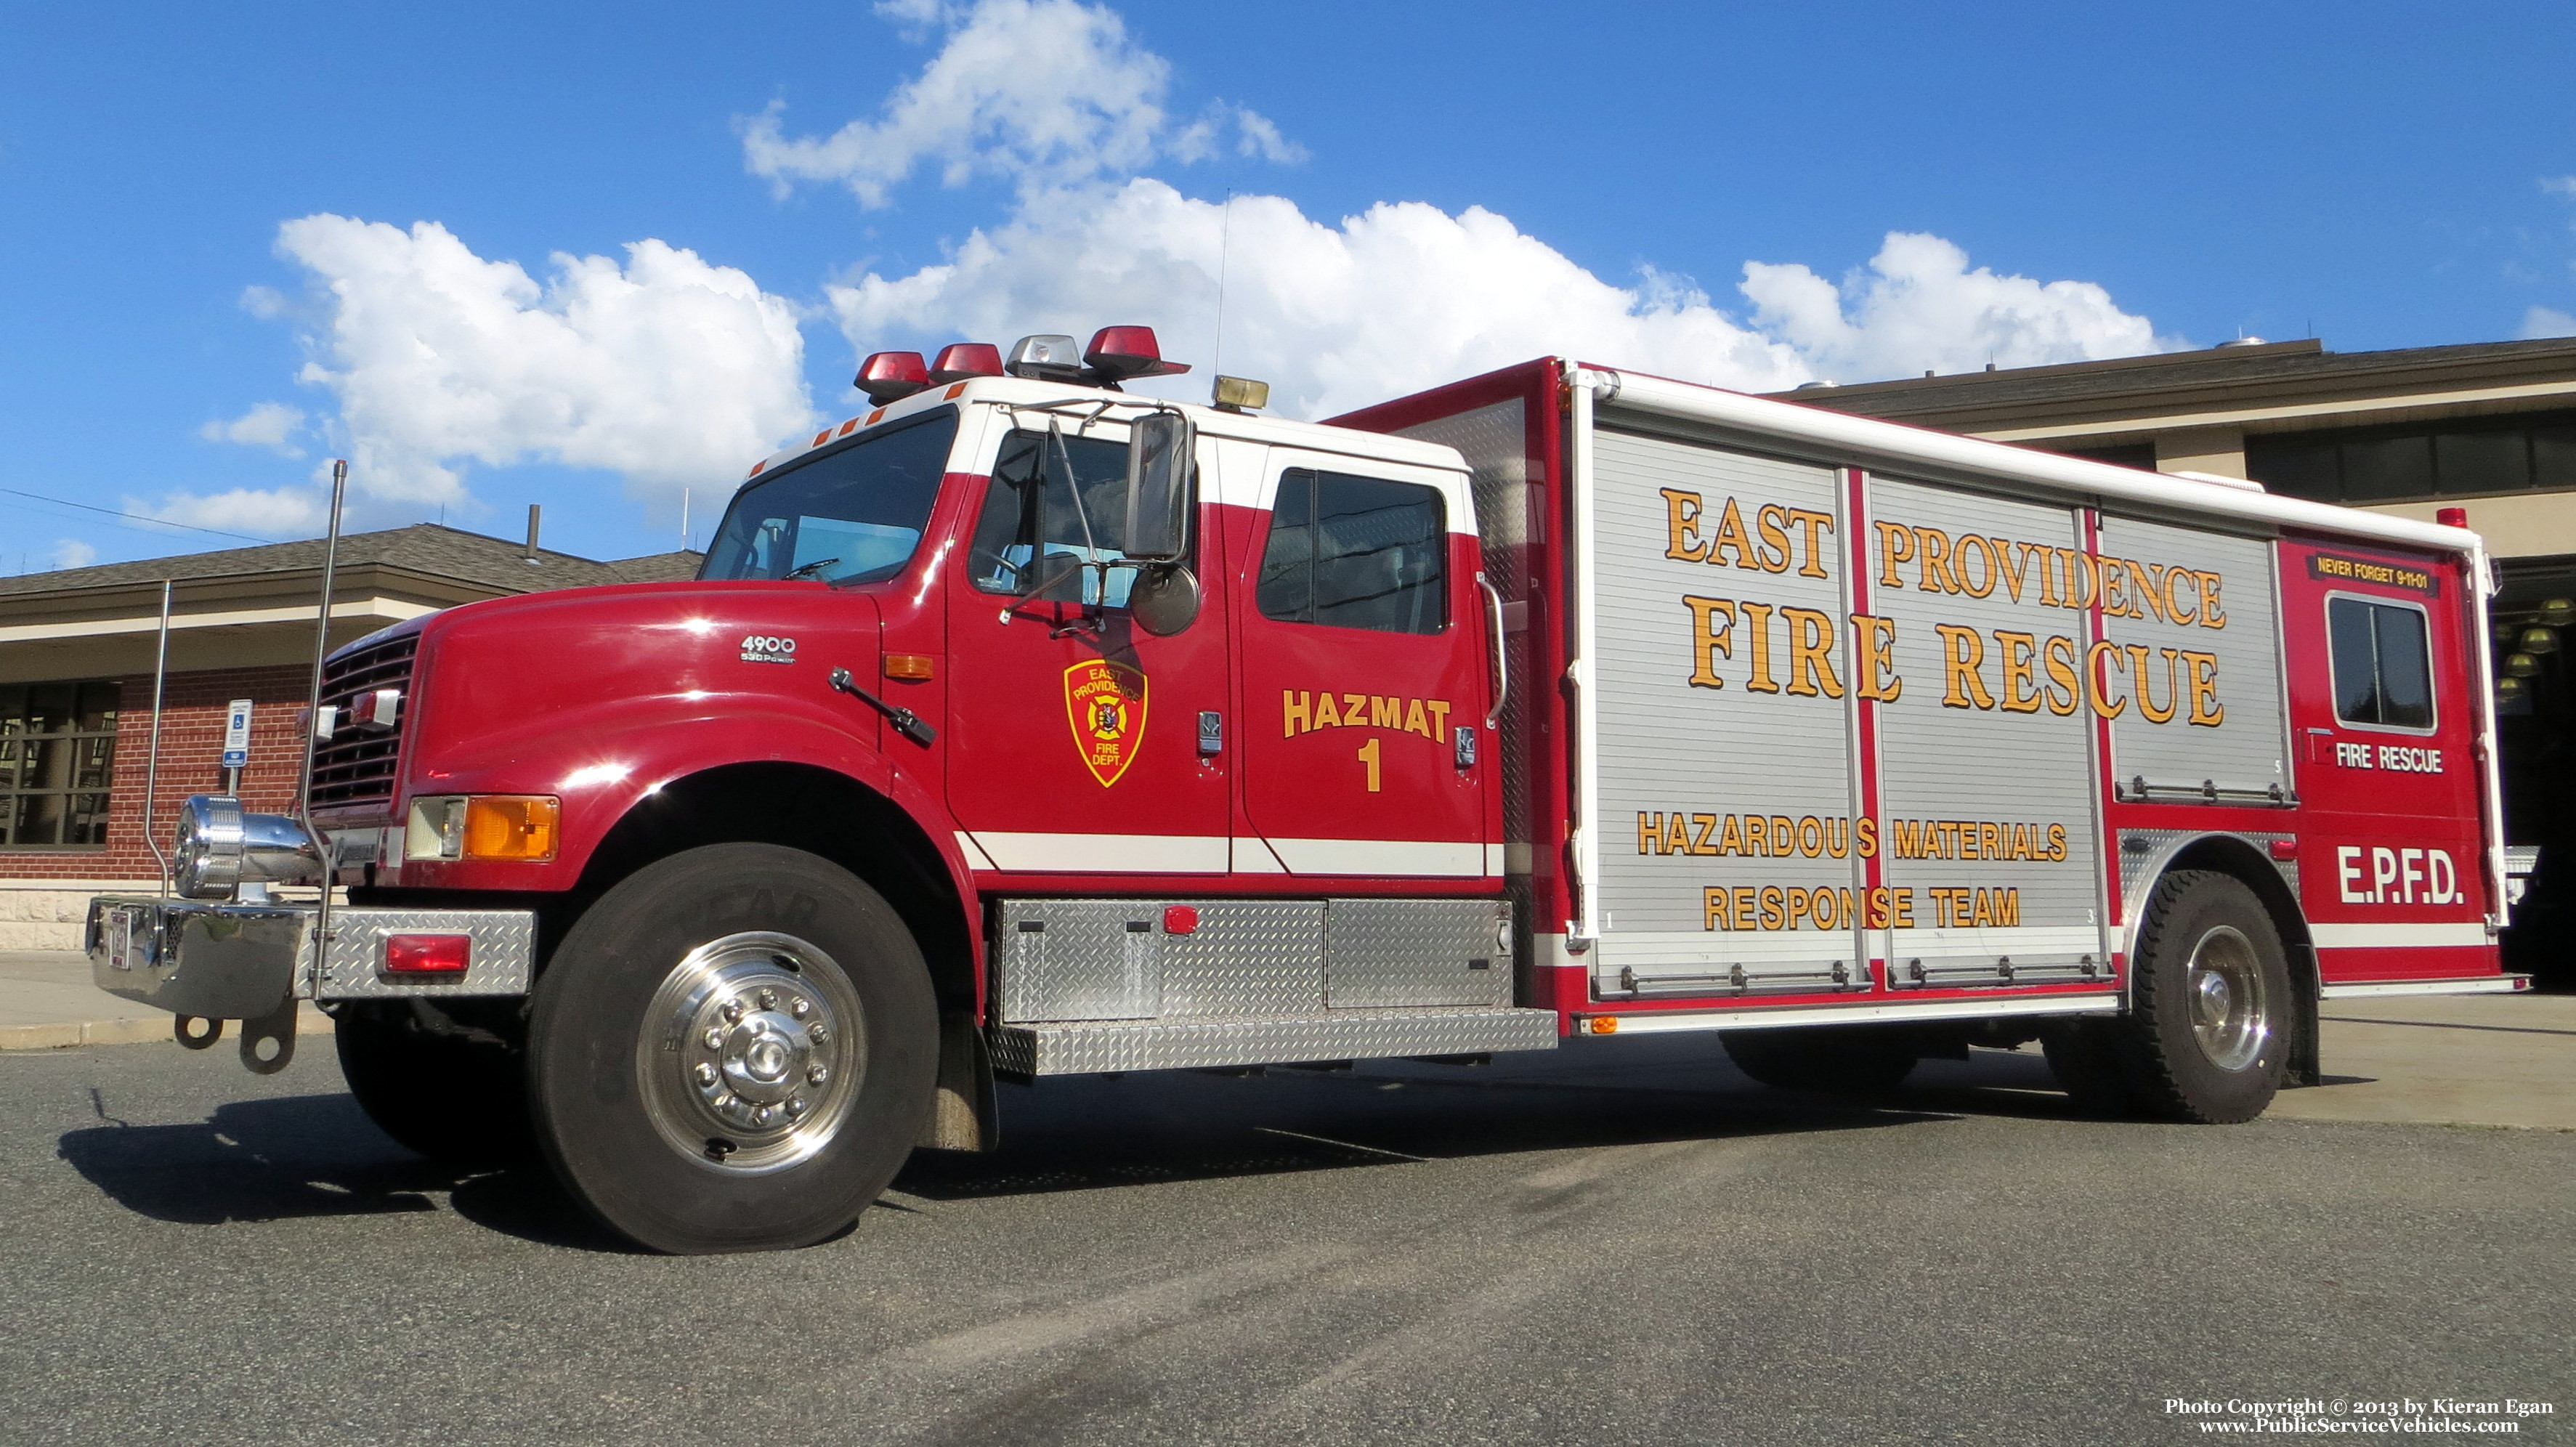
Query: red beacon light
x,y
891,376
1119,353
961,361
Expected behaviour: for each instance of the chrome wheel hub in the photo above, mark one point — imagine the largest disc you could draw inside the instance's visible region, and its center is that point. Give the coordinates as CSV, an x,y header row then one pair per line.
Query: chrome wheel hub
x,y
751,1053
2228,1014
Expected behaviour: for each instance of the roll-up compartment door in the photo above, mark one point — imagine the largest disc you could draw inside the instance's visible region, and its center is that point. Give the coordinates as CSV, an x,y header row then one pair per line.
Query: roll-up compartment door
x,y
1725,756
1986,759
2197,675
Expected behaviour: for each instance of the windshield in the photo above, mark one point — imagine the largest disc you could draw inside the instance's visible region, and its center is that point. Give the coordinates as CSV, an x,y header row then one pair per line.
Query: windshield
x,y
850,516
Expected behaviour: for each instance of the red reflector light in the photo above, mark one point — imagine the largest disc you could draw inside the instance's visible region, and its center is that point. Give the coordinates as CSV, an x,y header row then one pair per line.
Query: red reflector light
x,y
1118,353
428,954
889,376
2285,850
961,360
1180,919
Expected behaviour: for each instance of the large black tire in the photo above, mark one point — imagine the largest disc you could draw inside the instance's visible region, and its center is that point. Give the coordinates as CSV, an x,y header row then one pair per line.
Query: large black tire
x,y
2207,1036
2086,1058
445,1079
733,1050
1853,1058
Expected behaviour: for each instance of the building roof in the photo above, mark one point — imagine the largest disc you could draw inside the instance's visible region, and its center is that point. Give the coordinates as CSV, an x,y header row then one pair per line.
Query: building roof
x,y
2263,386
494,563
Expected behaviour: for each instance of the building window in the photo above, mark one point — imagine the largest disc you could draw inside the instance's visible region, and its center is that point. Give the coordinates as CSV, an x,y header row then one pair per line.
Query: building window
x,y
57,764
2479,457
2383,665
1356,552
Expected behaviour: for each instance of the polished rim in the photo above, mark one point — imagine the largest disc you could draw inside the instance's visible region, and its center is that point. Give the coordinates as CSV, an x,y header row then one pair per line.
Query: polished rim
x,y
751,1053
2228,1009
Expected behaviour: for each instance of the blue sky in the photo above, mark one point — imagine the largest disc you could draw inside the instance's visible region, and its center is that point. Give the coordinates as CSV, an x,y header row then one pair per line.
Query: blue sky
x,y
240,240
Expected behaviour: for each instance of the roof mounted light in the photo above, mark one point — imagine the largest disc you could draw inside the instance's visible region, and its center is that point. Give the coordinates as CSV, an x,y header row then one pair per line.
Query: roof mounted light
x,y
959,361
891,376
1047,357
1240,394
1118,353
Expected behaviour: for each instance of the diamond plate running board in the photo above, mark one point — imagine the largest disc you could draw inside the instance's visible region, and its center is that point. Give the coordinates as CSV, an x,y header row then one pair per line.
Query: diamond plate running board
x,y
1184,1044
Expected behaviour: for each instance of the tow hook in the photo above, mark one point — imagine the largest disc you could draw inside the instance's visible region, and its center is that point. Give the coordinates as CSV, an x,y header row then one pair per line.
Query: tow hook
x,y
905,721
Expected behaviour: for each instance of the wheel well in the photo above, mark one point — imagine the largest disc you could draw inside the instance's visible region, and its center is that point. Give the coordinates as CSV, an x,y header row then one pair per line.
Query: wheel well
x,y
2226,854
801,807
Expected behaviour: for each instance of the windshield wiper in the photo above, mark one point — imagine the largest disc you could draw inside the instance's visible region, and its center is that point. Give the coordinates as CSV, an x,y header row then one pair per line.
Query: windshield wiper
x,y
810,569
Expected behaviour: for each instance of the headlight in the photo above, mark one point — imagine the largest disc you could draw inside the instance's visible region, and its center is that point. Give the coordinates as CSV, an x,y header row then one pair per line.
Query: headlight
x,y
221,847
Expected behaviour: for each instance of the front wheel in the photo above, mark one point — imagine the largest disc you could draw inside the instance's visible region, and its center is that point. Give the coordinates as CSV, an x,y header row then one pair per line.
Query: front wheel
x,y
733,1050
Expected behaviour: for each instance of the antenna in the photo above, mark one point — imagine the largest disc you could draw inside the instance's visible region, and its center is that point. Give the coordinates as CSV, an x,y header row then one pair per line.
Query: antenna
x,y
684,519
1224,254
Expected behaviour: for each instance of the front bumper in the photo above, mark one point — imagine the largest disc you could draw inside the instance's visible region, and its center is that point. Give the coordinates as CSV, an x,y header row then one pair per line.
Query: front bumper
x,y
248,961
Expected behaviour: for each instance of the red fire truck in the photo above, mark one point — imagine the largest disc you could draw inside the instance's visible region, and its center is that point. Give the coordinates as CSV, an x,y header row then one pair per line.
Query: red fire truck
x,y
1028,726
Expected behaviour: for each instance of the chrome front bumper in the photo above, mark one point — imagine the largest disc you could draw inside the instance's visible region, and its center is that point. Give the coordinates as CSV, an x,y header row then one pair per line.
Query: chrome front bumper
x,y
250,961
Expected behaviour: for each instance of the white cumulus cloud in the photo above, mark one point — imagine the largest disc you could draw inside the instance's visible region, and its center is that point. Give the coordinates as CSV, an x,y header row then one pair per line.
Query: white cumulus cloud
x,y
1032,91
2543,321
281,512
1405,296
73,553
269,424
666,369
1918,306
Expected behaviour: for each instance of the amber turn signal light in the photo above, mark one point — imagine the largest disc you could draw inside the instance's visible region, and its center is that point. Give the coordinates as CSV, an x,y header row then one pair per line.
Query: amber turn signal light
x,y
912,666
510,826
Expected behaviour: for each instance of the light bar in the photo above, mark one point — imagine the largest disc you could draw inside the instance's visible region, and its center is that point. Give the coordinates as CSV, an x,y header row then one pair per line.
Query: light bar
x,y
1119,353
891,376
962,361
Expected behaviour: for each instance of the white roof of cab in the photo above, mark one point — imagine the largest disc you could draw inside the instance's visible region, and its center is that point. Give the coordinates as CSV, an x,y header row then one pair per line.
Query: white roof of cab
x,y
1211,421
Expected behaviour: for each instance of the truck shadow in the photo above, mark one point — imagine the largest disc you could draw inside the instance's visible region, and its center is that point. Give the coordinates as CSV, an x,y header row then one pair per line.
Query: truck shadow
x,y
306,1156
302,1156
1091,1132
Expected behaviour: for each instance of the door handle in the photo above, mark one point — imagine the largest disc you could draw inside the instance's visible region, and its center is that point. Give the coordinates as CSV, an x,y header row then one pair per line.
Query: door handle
x,y
1502,662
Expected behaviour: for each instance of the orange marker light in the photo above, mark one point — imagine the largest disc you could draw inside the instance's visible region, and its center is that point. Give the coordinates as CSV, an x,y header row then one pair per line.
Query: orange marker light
x,y
510,826
914,666
1605,1025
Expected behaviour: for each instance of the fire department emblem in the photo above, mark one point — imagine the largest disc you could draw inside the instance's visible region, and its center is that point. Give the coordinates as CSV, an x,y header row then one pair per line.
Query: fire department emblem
x,y
1105,703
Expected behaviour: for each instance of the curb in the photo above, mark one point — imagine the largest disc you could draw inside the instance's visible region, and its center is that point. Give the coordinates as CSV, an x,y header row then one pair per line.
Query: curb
x,y
66,1034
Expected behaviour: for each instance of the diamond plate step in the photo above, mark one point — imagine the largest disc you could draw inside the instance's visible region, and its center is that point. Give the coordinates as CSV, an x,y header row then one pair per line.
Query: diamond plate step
x,y
1188,1044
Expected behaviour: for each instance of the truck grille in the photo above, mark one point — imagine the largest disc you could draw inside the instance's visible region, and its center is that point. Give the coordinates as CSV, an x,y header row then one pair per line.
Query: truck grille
x,y
356,766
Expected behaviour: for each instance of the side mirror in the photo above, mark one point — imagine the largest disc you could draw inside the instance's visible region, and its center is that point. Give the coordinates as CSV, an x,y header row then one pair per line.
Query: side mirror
x,y
1161,493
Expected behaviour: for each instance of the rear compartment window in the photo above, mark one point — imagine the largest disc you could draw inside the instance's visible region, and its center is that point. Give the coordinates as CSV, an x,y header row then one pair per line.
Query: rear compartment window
x,y
1356,552
2383,664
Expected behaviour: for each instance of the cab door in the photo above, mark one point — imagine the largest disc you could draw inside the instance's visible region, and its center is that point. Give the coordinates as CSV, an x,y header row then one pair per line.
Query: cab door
x,y
2391,850
1363,652
1076,742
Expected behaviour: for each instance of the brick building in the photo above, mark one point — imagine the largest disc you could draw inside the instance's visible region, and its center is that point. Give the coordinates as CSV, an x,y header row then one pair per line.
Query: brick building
x,y
76,655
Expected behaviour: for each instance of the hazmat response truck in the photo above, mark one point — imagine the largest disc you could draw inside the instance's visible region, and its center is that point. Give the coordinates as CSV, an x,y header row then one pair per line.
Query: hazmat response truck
x,y
1025,726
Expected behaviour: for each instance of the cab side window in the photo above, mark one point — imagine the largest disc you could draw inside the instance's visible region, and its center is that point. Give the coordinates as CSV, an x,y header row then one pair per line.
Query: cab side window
x,y
1356,552
2383,664
1034,490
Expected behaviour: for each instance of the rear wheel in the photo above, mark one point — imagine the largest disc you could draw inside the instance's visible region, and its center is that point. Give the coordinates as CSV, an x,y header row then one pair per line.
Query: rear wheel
x,y
2207,1034
444,1079
1824,1057
2086,1059
733,1050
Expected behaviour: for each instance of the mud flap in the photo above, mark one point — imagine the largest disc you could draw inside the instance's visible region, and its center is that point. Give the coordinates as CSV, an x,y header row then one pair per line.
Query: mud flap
x,y
963,1115
2304,1067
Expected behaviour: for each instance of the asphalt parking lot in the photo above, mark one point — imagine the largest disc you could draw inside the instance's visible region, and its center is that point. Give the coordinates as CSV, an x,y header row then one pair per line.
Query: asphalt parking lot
x,y
1623,1242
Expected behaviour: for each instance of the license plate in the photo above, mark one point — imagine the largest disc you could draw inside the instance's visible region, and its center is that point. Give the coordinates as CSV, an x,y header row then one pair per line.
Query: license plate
x,y
129,938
